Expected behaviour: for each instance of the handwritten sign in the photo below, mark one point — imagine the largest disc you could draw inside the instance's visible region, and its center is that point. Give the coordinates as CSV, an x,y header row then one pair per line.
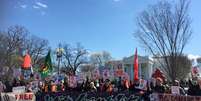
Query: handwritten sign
x,y
175,90
19,89
18,97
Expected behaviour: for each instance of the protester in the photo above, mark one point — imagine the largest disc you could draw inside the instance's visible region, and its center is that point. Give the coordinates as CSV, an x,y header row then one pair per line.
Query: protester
x,y
167,86
66,88
135,87
120,84
53,87
58,86
2,87
97,85
107,87
62,86
92,87
126,84
29,87
159,87
194,88
46,87
139,87
199,90
181,90
9,86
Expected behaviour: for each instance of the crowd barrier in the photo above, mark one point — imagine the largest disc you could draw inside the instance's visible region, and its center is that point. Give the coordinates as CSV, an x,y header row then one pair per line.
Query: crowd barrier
x,y
86,96
118,96
76,96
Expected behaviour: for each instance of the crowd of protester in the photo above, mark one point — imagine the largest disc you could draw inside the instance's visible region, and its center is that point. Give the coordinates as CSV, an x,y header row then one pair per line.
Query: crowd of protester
x,y
155,85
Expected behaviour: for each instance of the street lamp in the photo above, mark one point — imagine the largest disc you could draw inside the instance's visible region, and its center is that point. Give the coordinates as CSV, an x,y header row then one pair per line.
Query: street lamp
x,y
59,52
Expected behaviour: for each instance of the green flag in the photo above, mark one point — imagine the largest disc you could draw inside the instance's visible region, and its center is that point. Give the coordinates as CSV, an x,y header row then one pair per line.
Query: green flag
x,y
47,67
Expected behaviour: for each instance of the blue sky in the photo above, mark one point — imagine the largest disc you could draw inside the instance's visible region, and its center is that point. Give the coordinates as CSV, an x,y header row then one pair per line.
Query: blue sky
x,y
97,24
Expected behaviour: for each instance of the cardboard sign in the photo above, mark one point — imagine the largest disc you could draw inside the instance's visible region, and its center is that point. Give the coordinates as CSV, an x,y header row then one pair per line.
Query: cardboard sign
x,y
175,90
19,89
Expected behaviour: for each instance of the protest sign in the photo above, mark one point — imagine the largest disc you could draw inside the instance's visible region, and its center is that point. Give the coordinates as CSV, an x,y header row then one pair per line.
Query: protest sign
x,y
175,90
19,89
18,97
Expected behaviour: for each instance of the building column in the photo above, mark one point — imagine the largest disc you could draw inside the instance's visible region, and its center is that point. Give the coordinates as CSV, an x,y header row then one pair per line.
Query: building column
x,y
131,72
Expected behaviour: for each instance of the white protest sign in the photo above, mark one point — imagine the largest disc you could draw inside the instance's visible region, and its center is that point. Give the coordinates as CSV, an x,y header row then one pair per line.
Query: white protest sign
x,y
19,89
175,90
18,97
142,85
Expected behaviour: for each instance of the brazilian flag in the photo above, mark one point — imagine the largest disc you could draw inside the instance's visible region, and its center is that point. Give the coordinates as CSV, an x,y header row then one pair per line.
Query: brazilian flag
x,y
47,67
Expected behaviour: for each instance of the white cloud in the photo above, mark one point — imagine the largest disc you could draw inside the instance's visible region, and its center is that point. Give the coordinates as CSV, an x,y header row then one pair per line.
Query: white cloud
x,y
116,0
36,7
191,56
41,4
23,6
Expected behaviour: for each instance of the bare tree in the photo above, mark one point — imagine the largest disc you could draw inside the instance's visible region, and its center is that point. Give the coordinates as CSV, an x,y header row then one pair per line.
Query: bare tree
x,y
74,57
165,30
100,58
13,42
37,48
184,65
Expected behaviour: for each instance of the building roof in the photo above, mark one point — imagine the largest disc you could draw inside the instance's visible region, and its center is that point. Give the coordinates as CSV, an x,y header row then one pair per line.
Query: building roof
x,y
141,59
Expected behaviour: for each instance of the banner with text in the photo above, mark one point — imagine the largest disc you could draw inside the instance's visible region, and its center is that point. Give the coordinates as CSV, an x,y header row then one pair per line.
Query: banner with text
x,y
18,97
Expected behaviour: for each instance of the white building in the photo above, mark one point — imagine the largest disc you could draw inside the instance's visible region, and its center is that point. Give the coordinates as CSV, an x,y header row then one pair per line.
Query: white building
x,y
145,66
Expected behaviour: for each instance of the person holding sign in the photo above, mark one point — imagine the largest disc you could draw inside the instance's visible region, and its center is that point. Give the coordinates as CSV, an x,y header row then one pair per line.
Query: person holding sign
x,y
26,67
176,89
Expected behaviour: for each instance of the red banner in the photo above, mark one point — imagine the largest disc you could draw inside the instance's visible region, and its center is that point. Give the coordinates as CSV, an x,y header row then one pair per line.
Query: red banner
x,y
136,66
